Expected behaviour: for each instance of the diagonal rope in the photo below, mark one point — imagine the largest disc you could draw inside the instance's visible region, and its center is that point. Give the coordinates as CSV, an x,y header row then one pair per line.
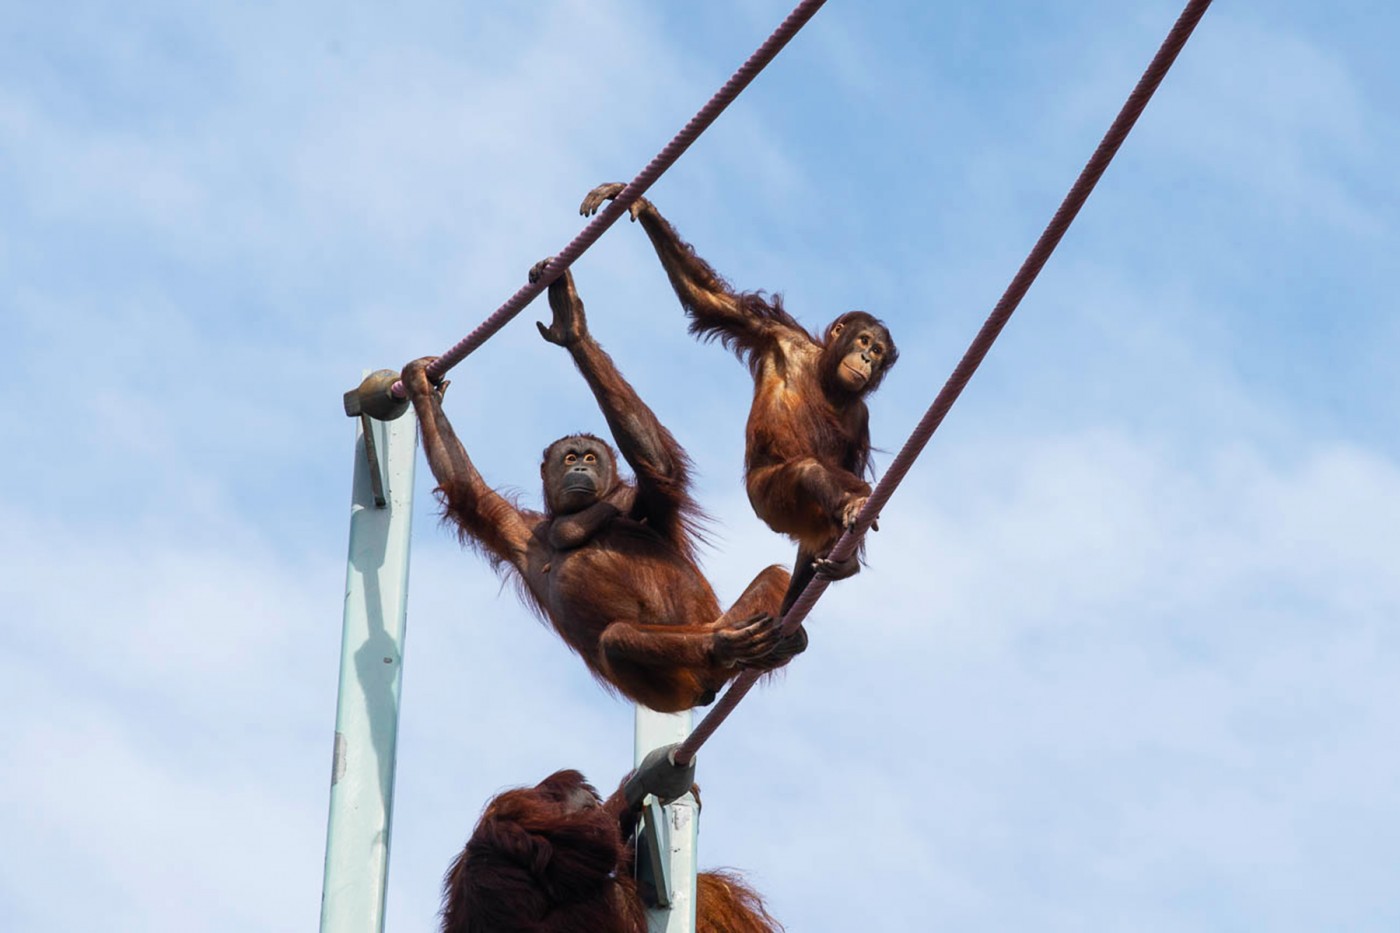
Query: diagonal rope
x,y
664,159
1054,231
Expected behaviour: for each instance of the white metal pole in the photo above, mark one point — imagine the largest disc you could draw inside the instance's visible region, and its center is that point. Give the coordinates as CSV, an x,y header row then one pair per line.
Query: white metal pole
x,y
371,667
653,730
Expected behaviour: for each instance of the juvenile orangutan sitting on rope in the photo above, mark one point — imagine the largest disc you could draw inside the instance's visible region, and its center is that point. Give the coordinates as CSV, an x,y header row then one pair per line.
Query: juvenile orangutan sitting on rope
x,y
807,453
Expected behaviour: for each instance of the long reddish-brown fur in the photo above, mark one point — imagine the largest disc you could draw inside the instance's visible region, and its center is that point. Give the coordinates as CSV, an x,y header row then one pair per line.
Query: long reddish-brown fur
x,y
615,573
726,904
807,440
552,859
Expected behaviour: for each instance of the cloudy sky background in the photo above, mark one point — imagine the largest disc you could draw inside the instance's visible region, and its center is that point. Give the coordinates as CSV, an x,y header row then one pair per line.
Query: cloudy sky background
x,y
1125,654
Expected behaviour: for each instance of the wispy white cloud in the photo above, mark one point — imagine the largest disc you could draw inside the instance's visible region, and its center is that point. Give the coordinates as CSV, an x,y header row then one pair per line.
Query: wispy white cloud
x,y
1280,117
155,833
1112,682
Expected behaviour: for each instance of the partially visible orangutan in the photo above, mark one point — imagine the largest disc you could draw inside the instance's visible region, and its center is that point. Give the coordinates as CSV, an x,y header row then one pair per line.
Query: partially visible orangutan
x,y
554,858
610,564
808,438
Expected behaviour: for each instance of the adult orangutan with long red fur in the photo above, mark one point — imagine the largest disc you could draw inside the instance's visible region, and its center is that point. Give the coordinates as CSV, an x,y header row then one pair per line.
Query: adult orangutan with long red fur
x,y
610,564
807,450
553,859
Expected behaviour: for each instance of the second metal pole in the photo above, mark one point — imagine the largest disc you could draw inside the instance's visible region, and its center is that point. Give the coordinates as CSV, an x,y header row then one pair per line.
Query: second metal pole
x,y
654,730
371,666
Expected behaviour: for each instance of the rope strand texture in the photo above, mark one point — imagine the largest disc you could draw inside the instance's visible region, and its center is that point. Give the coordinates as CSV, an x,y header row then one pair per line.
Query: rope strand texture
x,y
664,159
976,351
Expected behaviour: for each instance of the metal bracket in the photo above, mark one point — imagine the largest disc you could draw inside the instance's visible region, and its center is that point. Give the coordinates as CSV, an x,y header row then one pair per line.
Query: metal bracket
x,y
373,397
376,478
656,782
653,862
660,776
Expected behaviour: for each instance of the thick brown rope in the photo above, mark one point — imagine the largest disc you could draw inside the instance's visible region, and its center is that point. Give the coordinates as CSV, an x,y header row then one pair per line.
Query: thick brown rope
x,y
664,159
1054,231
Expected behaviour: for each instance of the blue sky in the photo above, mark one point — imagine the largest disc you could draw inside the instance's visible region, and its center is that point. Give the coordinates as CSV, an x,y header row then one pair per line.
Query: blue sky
x,y
1125,654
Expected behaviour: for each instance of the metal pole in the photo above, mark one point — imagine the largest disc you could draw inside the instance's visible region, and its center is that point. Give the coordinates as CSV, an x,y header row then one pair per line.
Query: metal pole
x,y
371,665
654,730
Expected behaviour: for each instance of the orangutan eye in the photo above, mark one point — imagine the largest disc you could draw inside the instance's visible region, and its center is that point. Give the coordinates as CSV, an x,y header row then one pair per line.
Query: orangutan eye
x,y
570,458
590,458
